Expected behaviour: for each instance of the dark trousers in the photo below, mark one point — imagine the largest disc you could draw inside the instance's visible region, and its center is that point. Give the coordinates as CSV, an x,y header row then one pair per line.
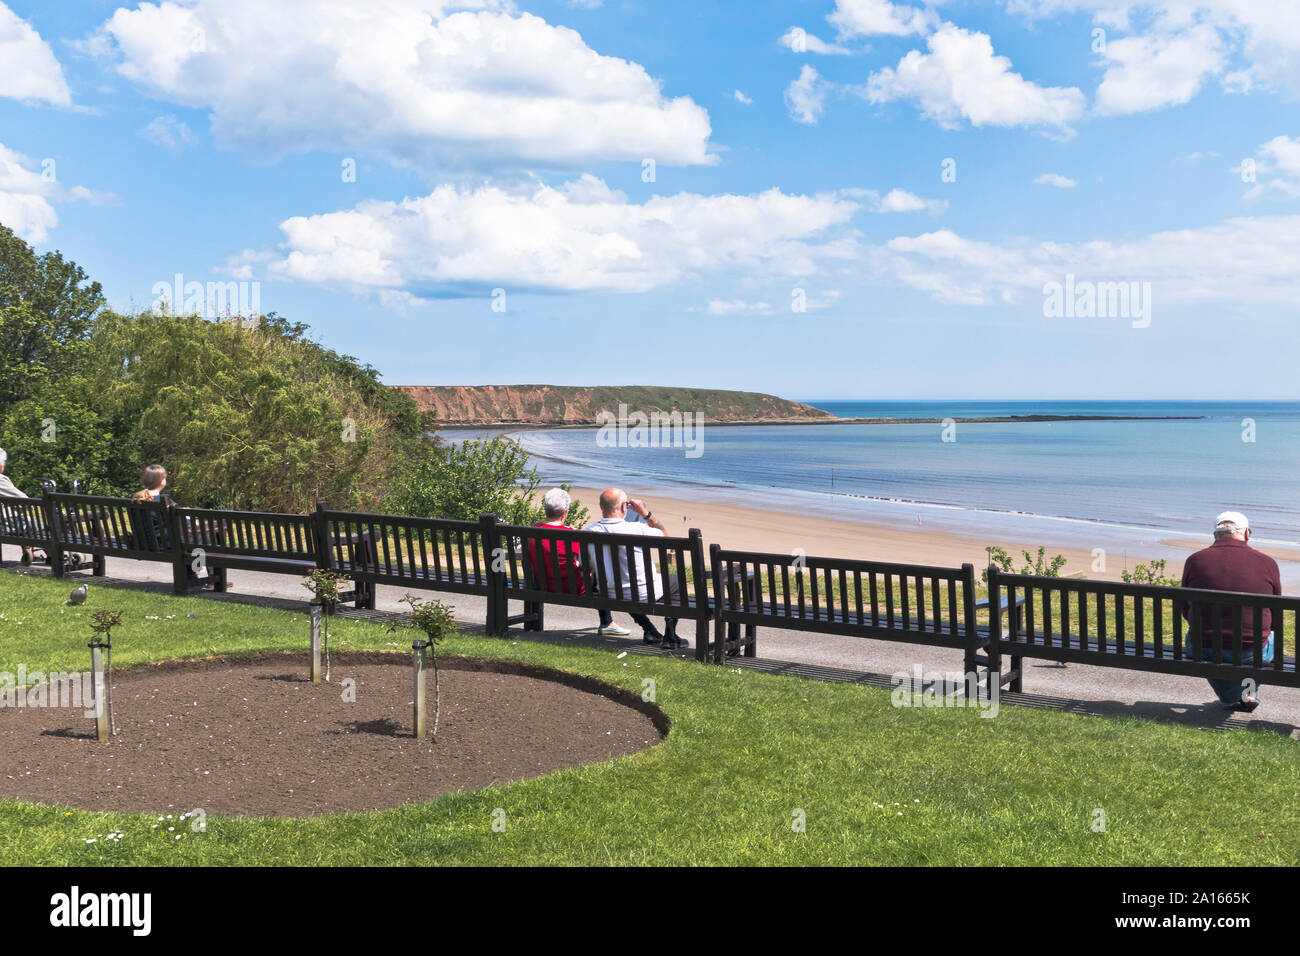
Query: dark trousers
x,y
643,620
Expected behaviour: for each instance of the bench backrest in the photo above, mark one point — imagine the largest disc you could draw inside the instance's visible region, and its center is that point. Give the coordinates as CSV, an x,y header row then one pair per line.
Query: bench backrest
x,y
250,534
24,521
1142,626
908,602
434,553
610,572
113,526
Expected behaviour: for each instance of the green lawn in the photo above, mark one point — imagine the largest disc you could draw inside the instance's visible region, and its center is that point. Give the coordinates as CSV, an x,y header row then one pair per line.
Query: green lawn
x,y
746,751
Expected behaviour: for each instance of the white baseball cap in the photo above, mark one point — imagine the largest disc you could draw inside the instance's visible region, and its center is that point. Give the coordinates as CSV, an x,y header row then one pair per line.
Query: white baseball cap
x,y
1231,521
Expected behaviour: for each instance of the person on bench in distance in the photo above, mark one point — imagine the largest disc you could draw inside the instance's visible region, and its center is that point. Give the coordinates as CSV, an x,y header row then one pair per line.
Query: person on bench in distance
x,y
566,564
614,506
9,490
154,480
1230,564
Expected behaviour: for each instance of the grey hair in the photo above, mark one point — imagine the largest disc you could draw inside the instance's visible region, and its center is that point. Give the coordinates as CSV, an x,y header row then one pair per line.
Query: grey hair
x,y
556,502
4,457
1226,530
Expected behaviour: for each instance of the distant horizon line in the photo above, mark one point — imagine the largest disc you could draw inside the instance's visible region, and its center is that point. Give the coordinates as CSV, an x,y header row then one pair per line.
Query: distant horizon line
x,y
1094,401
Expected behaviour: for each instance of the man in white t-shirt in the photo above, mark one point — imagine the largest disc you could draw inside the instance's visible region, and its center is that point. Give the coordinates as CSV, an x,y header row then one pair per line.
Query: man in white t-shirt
x,y
614,506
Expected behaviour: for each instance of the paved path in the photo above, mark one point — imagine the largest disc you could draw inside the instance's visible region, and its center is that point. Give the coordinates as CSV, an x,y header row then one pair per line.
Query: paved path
x,y
1078,688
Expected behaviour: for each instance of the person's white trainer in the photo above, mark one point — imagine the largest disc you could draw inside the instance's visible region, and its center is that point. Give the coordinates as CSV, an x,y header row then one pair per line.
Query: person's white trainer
x,y
613,630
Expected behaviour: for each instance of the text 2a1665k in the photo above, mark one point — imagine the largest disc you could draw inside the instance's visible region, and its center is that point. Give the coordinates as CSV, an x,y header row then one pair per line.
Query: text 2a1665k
x,y
1195,898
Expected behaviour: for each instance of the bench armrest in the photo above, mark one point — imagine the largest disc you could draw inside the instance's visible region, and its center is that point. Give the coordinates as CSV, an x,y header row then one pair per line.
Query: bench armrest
x,y
984,602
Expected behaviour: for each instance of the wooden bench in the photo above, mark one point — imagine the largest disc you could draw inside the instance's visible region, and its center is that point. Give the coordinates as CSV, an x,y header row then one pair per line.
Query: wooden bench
x,y
248,541
429,554
529,560
914,604
25,523
118,527
1138,626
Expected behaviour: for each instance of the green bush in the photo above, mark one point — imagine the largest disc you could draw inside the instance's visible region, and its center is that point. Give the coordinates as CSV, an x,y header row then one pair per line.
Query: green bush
x,y
1155,574
1034,564
473,478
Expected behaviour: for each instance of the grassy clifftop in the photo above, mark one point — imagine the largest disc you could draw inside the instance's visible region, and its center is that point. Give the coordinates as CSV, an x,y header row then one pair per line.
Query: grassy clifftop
x,y
574,404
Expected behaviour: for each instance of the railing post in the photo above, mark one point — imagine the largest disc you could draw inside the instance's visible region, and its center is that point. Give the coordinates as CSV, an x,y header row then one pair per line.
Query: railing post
x,y
324,545
994,652
701,587
180,565
498,603
56,535
719,604
970,635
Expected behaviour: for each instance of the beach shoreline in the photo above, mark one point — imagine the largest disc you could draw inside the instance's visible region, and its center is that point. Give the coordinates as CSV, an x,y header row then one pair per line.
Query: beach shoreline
x,y
747,528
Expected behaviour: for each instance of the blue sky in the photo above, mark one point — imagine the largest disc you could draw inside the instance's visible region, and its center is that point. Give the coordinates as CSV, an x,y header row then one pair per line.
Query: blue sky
x,y
798,151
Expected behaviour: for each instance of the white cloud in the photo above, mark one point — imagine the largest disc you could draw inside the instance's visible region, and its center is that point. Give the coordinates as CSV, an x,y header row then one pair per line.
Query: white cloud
x,y
1057,180
742,98
737,307
800,40
1250,259
29,71
409,80
805,97
579,237
879,17
1152,72
899,200
1278,159
961,79
1265,34
169,132
896,200
28,194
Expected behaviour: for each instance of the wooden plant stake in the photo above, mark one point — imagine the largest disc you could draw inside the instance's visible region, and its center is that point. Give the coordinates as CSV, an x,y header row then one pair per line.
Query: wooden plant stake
x,y
97,646
315,642
421,696
101,670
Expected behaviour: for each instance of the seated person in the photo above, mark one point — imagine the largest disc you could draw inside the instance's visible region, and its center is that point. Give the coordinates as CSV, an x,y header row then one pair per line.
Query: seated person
x,y
1231,564
572,579
614,506
151,531
9,490
153,535
154,480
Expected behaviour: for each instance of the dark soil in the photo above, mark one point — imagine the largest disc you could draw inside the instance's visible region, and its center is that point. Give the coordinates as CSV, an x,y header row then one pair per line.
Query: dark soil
x,y
256,738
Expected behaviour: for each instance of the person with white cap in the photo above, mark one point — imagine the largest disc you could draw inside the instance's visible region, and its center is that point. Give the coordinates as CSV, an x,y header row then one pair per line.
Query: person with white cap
x,y
1231,564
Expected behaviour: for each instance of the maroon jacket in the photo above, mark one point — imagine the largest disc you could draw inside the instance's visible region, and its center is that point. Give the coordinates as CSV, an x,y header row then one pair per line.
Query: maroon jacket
x,y
1231,565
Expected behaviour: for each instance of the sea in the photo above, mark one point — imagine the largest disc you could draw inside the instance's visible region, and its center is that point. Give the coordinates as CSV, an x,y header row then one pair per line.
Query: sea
x,y
1149,473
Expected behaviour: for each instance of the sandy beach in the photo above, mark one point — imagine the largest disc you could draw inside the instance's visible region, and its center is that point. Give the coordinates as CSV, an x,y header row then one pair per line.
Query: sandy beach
x,y
756,529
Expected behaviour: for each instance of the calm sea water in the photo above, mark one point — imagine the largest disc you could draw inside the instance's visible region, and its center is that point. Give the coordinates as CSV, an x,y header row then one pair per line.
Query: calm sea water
x,y
1112,484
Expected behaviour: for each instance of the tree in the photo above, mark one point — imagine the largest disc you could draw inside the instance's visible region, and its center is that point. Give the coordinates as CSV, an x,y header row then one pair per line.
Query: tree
x,y
47,312
253,417
47,315
55,435
438,622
